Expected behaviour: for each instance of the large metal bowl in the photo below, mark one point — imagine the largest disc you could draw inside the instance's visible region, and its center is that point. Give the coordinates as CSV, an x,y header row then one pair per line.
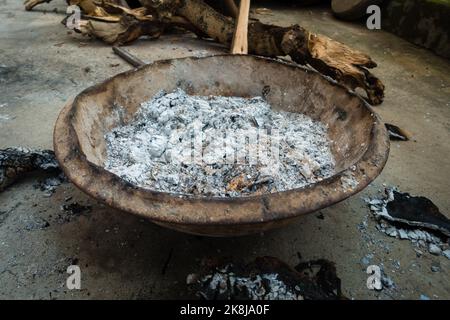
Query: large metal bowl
x,y
360,146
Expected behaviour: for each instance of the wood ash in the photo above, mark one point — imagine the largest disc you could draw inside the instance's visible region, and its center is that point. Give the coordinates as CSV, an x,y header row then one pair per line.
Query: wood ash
x,y
264,286
265,278
218,146
412,218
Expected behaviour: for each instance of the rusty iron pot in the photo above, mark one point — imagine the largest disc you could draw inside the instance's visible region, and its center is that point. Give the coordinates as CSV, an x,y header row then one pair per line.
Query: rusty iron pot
x,y
360,141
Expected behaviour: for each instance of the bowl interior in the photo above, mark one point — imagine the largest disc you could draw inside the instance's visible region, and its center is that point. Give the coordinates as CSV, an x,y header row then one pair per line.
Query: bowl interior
x,y
114,103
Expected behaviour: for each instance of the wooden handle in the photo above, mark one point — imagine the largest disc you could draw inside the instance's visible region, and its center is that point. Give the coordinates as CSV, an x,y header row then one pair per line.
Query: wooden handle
x,y
239,44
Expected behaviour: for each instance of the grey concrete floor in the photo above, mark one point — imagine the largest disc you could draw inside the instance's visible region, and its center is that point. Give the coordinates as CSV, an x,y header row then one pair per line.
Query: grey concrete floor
x,y
122,256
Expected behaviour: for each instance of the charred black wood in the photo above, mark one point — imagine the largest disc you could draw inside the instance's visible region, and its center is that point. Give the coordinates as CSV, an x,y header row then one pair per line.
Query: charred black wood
x,y
16,162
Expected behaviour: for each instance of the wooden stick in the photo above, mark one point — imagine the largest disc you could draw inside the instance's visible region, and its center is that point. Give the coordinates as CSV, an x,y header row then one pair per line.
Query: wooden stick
x,y
128,57
240,43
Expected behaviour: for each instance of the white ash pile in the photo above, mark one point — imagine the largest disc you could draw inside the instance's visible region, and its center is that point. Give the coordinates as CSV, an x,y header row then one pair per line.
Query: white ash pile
x,y
257,287
266,278
218,146
415,219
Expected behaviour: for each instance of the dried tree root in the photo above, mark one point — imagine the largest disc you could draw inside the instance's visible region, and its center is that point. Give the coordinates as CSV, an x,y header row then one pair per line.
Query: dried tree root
x,y
346,65
122,25
15,162
119,25
126,30
30,4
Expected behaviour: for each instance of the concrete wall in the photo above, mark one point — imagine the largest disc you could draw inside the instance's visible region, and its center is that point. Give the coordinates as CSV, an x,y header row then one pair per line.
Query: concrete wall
x,y
423,22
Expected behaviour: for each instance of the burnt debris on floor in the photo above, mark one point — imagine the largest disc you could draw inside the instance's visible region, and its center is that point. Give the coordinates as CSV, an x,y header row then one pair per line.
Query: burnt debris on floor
x,y
417,219
49,184
266,278
72,210
396,133
15,162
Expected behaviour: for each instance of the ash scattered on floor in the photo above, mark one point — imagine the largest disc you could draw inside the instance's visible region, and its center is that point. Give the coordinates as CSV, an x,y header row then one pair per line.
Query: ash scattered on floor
x,y
423,225
404,217
72,210
256,287
35,223
159,149
49,185
266,278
